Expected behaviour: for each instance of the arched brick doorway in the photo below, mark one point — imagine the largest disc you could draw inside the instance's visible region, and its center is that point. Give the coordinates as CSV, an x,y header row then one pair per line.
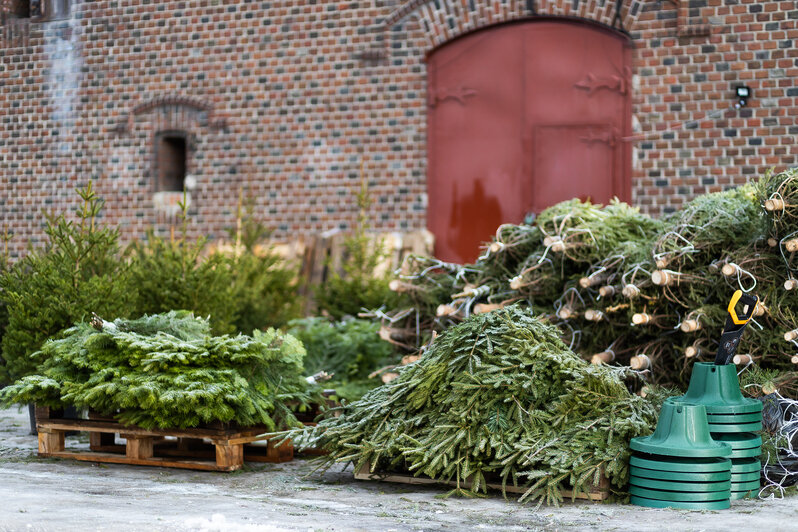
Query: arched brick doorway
x,y
521,116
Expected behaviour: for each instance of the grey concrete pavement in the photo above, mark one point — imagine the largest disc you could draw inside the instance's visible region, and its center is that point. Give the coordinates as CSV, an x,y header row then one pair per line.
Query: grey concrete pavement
x,y
61,495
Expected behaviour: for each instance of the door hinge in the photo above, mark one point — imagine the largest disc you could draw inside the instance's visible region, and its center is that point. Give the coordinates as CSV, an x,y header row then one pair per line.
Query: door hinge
x,y
459,94
592,83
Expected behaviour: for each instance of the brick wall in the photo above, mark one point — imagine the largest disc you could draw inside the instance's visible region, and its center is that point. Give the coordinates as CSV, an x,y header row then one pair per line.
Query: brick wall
x,y
683,78
292,101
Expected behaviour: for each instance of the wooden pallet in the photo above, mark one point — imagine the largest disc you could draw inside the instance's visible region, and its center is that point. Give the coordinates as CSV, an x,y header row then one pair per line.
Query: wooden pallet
x,y
205,449
597,493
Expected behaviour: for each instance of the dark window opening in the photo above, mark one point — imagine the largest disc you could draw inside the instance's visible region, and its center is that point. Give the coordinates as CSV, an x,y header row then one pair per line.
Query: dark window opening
x,y
20,8
170,161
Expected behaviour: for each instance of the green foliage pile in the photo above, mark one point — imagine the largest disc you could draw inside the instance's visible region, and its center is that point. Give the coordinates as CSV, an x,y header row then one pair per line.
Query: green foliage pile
x,y
498,396
77,272
348,350
351,349
621,285
167,371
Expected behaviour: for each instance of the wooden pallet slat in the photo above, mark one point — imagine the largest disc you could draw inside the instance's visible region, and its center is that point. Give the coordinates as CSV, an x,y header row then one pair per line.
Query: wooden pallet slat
x,y
114,458
115,428
597,493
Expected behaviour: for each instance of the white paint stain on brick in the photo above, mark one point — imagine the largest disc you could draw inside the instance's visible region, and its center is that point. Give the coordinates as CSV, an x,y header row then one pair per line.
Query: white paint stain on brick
x,y
62,49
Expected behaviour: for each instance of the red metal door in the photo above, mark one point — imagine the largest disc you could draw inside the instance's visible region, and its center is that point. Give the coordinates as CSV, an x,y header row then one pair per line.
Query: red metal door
x,y
522,116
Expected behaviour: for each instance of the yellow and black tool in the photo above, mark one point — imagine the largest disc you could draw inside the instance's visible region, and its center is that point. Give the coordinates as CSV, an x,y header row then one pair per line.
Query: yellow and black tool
x,y
735,325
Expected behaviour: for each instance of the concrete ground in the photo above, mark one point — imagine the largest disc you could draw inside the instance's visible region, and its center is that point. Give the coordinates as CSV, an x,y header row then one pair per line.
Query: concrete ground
x,y
61,495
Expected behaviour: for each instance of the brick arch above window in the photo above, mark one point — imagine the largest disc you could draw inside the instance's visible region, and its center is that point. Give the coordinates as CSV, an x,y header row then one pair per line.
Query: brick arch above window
x,y
444,20
173,112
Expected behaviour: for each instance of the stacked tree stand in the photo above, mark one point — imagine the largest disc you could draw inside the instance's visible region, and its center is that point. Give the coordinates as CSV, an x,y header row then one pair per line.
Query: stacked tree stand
x,y
704,452
680,465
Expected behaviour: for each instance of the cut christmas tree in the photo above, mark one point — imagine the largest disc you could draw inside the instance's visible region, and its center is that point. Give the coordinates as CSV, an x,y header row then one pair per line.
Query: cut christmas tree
x,y
168,371
496,399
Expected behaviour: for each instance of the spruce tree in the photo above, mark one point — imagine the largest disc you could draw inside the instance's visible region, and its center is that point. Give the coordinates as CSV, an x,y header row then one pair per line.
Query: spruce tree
x,y
358,288
264,285
78,271
174,274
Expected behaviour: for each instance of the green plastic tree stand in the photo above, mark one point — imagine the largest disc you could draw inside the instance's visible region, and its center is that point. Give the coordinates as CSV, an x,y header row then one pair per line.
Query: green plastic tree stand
x,y
654,503
745,477
746,465
734,427
681,476
744,440
688,487
746,453
682,430
718,389
756,417
680,496
674,463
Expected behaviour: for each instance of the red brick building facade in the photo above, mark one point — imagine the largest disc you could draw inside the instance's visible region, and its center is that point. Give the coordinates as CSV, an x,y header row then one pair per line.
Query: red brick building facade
x,y
293,101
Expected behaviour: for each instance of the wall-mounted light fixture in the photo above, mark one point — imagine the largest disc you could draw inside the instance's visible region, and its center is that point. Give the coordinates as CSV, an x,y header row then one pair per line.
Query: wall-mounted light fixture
x,y
742,93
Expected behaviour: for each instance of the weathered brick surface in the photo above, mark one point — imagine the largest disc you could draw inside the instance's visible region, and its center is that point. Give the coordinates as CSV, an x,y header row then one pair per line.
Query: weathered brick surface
x,y
292,100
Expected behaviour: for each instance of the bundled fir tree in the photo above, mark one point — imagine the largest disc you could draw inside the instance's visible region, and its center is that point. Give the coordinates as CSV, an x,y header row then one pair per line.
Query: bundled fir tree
x,y
628,290
497,397
574,248
78,271
167,371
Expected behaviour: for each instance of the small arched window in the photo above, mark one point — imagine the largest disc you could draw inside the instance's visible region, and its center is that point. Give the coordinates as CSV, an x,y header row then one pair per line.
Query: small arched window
x,y
171,161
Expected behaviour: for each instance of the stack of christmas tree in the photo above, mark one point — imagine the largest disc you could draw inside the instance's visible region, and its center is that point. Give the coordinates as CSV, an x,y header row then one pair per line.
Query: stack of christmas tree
x,y
168,371
629,290
496,399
